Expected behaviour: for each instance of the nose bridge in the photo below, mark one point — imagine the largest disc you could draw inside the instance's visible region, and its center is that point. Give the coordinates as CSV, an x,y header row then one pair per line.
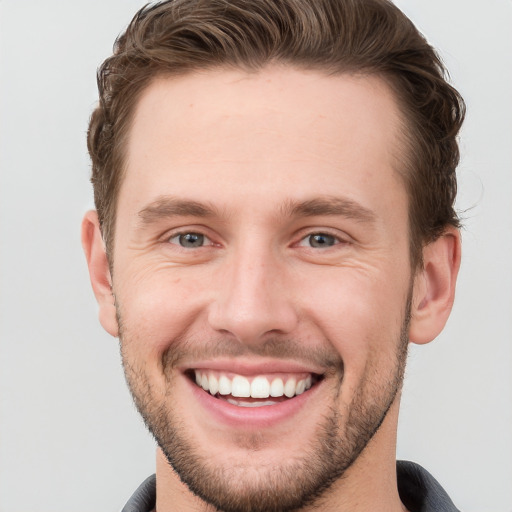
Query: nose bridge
x,y
252,300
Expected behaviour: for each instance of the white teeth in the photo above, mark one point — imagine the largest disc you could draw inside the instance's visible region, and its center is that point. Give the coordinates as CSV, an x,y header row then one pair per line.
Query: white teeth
x,y
289,387
241,403
240,387
277,387
213,384
259,387
224,385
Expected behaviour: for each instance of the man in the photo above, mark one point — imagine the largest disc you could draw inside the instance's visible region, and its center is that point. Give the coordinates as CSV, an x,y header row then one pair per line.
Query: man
x,y
274,183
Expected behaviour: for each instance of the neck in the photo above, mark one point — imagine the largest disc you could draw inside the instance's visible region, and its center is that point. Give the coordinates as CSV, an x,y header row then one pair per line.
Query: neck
x,y
369,484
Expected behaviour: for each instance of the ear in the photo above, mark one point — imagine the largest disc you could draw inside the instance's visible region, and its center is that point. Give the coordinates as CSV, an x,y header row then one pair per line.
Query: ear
x,y
434,287
99,272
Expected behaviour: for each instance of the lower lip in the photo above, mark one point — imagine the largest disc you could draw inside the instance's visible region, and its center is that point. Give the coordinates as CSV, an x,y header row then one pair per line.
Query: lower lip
x,y
252,417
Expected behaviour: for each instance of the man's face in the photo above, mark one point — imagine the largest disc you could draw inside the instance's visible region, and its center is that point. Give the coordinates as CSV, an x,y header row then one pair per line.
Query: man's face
x,y
262,249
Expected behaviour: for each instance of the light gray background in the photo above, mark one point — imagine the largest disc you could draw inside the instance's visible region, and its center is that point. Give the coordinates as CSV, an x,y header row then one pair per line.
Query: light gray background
x,y
69,437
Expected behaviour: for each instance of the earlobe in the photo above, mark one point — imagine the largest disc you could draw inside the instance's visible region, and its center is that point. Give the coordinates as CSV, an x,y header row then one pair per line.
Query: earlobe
x,y
99,272
434,287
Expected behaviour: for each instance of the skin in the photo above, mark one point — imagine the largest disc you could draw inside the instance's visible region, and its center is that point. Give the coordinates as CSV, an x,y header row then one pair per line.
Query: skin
x,y
246,147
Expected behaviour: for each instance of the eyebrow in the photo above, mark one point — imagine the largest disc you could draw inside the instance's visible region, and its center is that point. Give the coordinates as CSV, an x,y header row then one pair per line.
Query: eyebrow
x,y
166,206
330,205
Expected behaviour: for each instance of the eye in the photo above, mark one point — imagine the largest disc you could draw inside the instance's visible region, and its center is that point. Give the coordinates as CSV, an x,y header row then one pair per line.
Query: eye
x,y
319,241
190,240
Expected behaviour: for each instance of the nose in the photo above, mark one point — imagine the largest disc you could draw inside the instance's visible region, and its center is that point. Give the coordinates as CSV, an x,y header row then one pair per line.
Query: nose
x,y
253,301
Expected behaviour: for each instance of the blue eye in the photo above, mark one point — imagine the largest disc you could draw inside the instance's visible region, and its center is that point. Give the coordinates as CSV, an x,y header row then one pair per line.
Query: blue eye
x,y
319,240
189,240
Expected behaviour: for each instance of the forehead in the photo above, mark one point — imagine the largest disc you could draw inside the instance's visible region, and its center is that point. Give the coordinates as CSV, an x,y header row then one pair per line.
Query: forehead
x,y
230,135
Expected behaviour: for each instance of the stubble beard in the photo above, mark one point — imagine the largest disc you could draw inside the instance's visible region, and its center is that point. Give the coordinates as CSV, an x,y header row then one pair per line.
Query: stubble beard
x,y
296,483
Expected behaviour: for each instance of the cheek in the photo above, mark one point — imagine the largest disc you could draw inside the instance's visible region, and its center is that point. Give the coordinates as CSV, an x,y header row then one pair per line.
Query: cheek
x,y
156,308
358,314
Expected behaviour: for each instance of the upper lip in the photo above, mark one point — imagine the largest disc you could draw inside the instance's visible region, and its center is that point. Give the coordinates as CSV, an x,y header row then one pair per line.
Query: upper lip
x,y
252,367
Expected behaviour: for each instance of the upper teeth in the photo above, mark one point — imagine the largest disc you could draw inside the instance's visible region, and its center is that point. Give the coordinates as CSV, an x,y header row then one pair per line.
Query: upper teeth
x,y
255,387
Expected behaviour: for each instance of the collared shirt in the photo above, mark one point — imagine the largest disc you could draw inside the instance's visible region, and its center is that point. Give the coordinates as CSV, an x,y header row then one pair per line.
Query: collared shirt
x,y
418,489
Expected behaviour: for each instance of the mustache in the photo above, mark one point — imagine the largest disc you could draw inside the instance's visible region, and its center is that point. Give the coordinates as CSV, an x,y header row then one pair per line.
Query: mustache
x,y
187,349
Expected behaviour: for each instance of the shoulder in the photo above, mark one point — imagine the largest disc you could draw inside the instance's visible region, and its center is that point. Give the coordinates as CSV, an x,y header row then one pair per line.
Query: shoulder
x,y
420,491
144,498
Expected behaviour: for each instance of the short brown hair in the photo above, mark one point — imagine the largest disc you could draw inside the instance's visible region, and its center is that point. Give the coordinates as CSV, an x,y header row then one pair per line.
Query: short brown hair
x,y
333,36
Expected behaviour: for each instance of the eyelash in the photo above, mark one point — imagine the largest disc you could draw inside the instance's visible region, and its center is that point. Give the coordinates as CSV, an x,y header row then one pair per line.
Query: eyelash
x,y
320,234
185,233
302,242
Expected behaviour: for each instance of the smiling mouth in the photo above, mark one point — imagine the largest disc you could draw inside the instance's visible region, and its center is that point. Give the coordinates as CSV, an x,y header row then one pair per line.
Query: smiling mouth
x,y
253,391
